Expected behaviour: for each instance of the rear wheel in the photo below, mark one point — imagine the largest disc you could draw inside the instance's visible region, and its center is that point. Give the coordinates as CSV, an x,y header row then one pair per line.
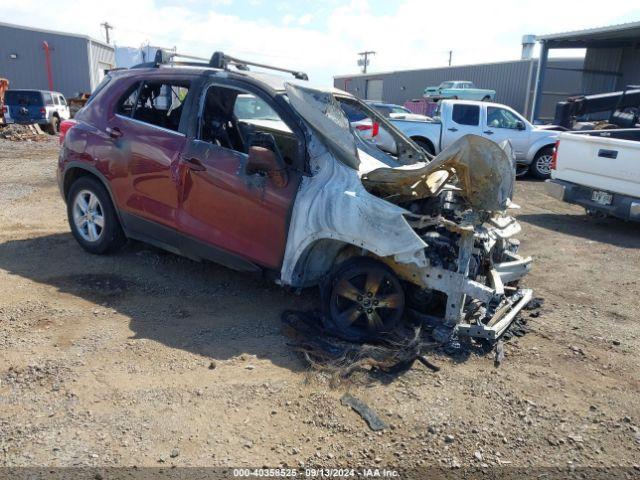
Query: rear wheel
x,y
486,98
54,126
541,166
92,218
365,300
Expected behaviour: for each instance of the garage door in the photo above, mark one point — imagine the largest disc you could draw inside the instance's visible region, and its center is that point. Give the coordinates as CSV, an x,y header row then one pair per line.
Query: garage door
x,y
374,90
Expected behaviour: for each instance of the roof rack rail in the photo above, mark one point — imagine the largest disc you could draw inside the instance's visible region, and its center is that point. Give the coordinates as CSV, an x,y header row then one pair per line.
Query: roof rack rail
x,y
218,60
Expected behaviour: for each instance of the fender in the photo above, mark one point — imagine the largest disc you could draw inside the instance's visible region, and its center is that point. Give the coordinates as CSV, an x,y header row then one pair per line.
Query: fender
x,y
548,140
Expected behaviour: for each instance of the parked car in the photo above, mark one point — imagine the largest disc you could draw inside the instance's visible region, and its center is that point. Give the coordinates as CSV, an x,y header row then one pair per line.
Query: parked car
x,y
397,112
47,109
459,90
598,170
158,155
533,145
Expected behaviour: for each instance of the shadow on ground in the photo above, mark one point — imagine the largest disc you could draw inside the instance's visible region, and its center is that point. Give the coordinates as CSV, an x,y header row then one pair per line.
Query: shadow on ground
x,y
201,308
607,230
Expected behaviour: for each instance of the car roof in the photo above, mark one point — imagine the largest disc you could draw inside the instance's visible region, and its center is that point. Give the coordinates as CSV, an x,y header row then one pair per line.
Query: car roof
x,y
33,90
478,102
382,104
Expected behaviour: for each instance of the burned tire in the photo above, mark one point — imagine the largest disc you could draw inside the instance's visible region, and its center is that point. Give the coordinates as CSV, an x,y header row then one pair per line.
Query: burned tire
x,y
541,166
363,301
92,218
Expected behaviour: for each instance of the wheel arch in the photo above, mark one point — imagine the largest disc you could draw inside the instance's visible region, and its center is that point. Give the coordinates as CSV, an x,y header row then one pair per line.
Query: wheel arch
x,y
318,259
74,171
425,140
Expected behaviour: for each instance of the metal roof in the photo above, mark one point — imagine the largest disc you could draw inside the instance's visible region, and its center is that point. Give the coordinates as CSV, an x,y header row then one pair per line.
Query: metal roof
x,y
53,32
622,31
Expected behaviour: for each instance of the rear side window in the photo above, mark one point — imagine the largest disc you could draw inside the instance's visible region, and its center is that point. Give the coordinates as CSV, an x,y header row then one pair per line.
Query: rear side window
x,y
157,103
25,99
56,99
466,114
48,98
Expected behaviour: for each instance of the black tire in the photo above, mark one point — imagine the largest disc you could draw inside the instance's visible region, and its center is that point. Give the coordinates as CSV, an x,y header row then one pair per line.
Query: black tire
x,y
541,166
426,146
353,297
109,237
486,98
54,127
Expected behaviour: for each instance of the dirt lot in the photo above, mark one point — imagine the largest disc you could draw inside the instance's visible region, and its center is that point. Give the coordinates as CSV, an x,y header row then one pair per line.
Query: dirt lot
x,y
145,358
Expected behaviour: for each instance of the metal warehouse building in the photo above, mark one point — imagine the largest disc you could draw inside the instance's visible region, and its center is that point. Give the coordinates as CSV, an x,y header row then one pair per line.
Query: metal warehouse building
x,y
611,63
77,62
514,82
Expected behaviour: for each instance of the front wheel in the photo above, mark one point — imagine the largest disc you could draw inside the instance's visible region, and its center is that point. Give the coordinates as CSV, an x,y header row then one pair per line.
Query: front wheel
x,y
364,301
426,146
541,166
54,126
92,218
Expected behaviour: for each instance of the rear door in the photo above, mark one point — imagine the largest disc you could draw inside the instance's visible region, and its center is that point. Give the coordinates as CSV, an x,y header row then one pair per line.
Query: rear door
x,y
223,206
25,106
461,119
144,132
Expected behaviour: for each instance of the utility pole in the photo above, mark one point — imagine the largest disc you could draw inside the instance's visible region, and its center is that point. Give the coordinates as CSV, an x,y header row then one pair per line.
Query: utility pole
x,y
107,26
450,53
363,61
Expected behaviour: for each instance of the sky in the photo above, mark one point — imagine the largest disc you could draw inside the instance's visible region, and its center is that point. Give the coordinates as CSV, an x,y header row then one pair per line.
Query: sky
x,y
323,37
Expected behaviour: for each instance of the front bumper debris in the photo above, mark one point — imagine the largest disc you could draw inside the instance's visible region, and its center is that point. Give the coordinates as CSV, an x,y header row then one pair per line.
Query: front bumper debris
x,y
504,317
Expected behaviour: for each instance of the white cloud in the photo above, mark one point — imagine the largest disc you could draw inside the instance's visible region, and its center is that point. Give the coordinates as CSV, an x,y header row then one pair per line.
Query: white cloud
x,y
413,35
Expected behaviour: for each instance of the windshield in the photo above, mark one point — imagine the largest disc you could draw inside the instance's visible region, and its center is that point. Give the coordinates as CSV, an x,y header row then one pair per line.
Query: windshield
x,y
400,110
250,107
24,98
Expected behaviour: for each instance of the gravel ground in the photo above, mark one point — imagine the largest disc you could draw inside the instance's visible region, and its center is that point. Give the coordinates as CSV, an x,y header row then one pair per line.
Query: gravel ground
x,y
145,358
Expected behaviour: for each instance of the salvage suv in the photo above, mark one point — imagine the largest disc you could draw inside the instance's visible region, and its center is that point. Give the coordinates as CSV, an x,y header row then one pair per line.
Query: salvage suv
x,y
45,108
214,161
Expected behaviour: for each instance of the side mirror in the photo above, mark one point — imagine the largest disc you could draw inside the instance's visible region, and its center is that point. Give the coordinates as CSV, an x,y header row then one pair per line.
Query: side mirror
x,y
520,125
264,161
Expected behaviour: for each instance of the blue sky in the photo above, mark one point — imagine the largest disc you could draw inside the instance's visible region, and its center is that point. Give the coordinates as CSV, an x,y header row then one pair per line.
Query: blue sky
x,y
323,37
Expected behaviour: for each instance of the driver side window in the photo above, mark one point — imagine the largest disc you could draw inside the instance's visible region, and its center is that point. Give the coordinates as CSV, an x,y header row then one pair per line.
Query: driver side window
x,y
501,118
236,119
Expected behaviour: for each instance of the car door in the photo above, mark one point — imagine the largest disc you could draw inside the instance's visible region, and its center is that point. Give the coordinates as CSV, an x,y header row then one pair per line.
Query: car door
x,y
246,215
146,140
63,109
462,119
501,123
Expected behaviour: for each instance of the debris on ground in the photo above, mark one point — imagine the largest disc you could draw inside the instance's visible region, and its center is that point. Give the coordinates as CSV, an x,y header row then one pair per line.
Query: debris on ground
x,y
18,133
373,420
499,358
328,353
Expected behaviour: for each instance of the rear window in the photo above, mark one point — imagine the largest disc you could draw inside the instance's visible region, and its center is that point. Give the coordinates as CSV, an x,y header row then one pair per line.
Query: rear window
x,y
23,98
466,114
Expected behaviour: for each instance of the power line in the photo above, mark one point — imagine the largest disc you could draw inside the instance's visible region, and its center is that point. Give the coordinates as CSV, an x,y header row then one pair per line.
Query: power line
x,y
363,61
107,26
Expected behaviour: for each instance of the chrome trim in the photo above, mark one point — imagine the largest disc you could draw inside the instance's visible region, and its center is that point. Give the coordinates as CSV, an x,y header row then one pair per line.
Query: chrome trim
x,y
150,125
634,210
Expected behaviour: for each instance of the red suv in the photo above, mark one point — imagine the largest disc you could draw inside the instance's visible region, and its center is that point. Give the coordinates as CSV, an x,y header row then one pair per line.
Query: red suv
x,y
217,162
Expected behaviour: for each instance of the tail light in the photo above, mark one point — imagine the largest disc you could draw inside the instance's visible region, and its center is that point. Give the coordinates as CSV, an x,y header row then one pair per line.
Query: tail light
x,y
43,111
65,126
375,128
554,157
4,109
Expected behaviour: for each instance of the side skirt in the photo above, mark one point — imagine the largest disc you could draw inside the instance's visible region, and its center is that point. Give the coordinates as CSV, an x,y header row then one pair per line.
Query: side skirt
x,y
175,242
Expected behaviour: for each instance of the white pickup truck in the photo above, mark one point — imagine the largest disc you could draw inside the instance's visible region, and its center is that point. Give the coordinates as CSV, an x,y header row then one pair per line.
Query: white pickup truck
x,y
600,171
533,145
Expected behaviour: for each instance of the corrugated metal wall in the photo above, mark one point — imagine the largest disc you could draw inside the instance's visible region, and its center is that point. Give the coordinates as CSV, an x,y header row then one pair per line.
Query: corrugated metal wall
x,y
513,81
102,58
69,60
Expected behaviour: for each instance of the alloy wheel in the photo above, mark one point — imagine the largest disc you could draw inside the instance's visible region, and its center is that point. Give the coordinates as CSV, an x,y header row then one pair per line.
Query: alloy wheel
x,y
88,215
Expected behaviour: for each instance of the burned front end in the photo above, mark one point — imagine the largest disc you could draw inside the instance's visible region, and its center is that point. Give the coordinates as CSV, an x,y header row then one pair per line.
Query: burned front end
x,y
458,206
439,224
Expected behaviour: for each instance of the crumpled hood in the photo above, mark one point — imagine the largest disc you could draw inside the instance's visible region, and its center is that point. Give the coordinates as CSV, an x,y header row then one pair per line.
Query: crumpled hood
x,y
484,171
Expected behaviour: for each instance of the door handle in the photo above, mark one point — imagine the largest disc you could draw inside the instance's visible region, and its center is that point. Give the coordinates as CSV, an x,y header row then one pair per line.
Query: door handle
x,y
613,154
452,129
114,132
194,164
488,132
